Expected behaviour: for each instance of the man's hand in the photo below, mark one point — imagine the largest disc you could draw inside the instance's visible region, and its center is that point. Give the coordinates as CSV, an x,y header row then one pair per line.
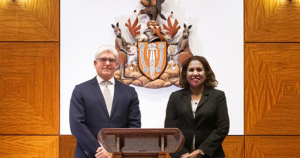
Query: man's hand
x,y
102,153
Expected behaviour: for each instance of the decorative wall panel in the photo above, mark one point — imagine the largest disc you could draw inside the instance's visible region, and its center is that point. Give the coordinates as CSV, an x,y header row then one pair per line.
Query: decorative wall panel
x,y
234,146
29,146
29,88
67,144
272,147
32,20
272,21
272,89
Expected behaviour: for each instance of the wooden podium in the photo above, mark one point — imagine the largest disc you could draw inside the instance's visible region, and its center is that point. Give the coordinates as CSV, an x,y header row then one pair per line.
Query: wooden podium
x,y
141,142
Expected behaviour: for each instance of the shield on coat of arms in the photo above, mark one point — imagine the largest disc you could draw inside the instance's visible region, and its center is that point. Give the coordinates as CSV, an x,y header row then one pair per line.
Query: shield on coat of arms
x,y
152,58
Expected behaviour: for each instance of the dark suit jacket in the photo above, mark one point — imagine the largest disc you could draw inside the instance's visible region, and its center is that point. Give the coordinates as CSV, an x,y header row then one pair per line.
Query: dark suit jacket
x,y
88,114
210,125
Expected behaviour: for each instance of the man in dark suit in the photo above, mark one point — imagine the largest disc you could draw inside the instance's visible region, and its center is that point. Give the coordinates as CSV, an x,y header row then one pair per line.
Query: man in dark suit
x,y
102,102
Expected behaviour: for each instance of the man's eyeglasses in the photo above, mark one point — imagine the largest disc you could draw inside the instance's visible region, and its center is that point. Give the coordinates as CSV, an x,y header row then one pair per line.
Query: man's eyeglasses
x,y
104,60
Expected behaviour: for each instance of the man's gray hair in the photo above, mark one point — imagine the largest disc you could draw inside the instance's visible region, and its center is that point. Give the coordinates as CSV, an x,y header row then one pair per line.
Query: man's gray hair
x,y
106,48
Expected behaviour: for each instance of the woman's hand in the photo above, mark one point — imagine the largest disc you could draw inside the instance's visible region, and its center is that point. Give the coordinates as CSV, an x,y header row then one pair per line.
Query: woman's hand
x,y
102,153
195,154
185,155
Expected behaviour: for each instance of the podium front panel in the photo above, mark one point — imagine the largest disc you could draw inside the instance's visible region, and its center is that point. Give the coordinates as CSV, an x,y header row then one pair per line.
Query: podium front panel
x,y
140,140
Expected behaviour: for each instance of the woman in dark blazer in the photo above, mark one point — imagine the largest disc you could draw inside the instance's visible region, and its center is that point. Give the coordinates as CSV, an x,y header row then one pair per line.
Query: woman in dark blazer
x,y
199,111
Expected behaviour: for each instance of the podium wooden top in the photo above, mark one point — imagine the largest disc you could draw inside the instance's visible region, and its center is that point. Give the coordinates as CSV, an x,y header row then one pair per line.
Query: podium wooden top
x,y
140,131
141,140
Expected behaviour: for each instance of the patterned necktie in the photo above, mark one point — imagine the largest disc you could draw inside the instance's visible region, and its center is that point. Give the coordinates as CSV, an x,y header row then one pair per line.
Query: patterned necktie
x,y
107,96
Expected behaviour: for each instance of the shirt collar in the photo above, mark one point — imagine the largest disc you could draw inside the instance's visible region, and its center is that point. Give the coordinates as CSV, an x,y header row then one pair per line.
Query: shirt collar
x,y
99,80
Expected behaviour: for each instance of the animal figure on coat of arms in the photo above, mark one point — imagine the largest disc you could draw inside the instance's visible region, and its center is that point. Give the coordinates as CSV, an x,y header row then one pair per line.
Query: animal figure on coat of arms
x,y
183,47
122,47
155,60
152,9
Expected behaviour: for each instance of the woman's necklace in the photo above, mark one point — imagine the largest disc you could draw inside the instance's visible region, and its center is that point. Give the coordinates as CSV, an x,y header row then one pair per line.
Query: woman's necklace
x,y
196,97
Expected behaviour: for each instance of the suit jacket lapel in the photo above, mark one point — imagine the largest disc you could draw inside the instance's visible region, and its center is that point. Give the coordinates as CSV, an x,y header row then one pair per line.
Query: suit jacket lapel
x,y
117,95
204,97
96,89
187,99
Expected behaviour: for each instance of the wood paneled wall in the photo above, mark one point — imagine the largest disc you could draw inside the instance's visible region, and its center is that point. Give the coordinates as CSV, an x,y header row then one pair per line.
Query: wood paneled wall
x,y
272,78
29,78
29,81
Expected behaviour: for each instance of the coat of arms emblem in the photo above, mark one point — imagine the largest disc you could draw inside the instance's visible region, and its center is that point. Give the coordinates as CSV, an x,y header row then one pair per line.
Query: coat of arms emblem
x,y
154,59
